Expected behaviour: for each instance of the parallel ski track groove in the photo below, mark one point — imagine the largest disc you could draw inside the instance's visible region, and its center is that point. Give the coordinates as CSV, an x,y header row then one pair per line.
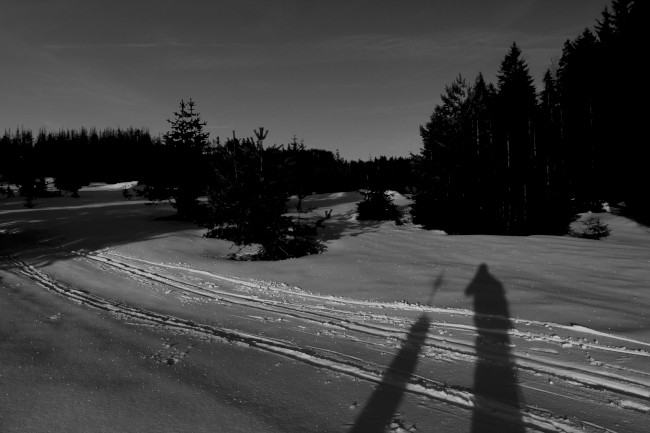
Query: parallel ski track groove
x,y
533,418
593,378
388,305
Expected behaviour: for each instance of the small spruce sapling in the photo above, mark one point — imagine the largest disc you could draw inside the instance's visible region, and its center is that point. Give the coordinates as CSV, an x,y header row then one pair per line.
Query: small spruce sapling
x,y
594,228
377,205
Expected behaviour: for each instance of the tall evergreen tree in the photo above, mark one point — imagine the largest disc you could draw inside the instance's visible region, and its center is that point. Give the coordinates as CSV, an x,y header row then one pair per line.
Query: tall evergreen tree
x,y
20,165
481,177
549,135
555,207
517,102
182,171
581,103
247,201
621,40
439,195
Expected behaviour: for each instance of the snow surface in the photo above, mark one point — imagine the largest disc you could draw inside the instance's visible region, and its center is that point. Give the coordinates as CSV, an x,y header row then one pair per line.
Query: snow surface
x,y
116,318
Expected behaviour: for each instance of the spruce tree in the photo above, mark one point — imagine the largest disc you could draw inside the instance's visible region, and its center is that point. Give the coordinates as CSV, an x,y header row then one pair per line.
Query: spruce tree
x,y
181,170
481,177
517,101
72,166
622,34
299,170
440,183
377,205
22,166
247,201
582,105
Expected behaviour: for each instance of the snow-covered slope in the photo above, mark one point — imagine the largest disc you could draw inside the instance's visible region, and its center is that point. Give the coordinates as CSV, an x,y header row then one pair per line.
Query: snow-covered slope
x,y
115,318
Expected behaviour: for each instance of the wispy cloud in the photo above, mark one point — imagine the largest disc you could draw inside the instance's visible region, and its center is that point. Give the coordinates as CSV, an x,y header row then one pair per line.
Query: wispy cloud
x,y
405,108
425,46
132,45
221,57
182,55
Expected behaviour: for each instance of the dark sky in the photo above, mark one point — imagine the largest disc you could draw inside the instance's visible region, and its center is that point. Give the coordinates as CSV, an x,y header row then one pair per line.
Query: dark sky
x,y
360,76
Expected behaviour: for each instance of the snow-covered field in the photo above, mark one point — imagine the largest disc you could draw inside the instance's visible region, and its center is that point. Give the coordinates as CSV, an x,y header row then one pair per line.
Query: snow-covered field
x,y
113,319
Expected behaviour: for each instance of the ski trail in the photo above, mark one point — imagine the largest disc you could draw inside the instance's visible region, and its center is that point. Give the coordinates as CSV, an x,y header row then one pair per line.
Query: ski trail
x,y
255,301
452,348
533,418
403,305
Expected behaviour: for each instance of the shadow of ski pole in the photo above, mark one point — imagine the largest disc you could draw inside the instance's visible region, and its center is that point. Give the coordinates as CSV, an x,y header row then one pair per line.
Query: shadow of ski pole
x,y
385,400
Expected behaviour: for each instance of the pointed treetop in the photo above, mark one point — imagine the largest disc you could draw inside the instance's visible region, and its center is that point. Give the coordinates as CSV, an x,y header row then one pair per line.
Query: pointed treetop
x,y
480,87
514,80
605,26
260,133
549,91
186,129
548,79
512,65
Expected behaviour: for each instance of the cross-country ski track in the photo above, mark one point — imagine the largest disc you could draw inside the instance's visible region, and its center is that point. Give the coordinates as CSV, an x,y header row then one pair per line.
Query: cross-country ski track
x,y
116,317
553,362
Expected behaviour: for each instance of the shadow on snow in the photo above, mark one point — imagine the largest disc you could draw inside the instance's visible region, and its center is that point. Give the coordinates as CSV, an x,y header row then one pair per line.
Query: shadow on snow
x,y
496,390
53,230
495,375
385,400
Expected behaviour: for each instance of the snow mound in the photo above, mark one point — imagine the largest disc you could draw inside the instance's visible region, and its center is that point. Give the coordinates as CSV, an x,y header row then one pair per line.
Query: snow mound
x,y
101,186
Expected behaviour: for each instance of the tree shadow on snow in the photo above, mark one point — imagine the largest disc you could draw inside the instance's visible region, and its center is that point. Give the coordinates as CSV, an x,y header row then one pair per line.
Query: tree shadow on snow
x,y
53,231
384,402
342,222
346,224
497,395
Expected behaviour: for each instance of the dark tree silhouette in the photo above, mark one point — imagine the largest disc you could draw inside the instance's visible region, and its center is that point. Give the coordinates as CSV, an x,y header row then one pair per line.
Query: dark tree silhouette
x,y
484,167
181,171
247,201
580,105
70,172
601,116
73,158
377,205
439,193
516,105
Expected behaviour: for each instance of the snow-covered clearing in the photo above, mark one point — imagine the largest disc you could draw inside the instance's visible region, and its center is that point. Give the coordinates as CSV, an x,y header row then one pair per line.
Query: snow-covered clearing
x,y
114,318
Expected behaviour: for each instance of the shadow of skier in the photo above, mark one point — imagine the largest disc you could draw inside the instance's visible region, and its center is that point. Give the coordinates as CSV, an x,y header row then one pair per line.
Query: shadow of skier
x,y
385,400
497,394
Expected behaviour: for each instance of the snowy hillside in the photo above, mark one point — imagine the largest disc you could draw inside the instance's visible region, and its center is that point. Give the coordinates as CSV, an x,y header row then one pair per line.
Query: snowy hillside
x,y
114,318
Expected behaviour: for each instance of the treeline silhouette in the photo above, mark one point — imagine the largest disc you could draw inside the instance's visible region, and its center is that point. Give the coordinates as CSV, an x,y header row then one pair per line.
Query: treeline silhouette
x,y
594,111
506,159
247,184
73,158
